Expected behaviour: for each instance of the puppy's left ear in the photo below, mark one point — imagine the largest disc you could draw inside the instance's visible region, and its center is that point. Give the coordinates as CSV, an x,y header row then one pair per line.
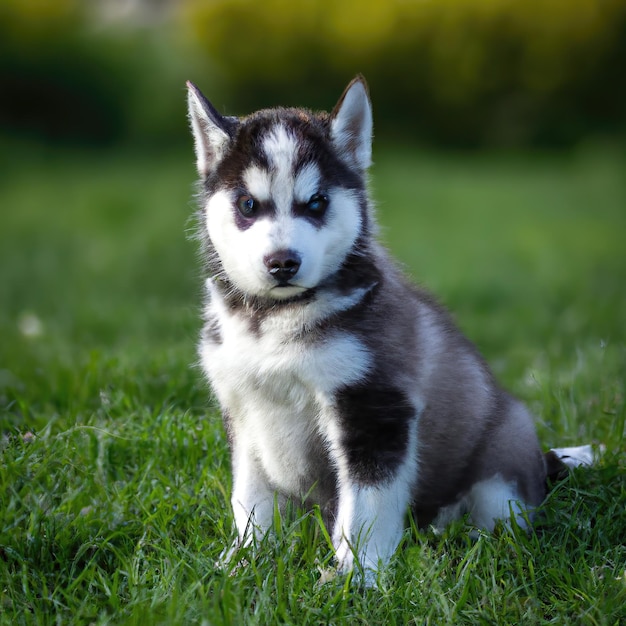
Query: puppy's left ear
x,y
351,125
212,132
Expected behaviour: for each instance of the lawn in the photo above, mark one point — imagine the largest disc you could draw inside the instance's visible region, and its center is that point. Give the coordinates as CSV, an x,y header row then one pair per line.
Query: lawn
x,y
114,477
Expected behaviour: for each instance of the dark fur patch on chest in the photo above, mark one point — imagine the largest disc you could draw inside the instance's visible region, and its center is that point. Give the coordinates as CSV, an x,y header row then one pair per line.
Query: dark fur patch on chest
x,y
375,421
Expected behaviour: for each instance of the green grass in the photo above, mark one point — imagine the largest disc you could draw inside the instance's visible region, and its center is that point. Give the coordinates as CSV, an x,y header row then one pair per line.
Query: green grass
x,y
114,476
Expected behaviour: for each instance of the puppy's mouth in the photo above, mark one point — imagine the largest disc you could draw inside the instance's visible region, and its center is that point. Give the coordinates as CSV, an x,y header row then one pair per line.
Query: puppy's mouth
x,y
283,282
286,289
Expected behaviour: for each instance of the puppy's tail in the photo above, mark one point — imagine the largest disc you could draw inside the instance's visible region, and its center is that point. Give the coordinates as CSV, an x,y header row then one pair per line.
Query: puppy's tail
x,y
560,460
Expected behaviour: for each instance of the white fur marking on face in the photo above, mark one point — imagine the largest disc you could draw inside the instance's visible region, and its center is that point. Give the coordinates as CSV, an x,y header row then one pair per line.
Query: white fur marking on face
x,y
281,148
307,183
342,230
258,183
241,253
218,219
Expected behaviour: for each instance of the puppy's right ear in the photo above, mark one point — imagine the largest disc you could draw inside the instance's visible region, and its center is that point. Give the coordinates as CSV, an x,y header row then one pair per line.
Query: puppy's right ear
x,y
211,131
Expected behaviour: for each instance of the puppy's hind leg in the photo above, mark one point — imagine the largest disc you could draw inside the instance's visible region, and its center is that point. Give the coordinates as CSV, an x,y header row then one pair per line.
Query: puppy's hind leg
x,y
495,499
511,480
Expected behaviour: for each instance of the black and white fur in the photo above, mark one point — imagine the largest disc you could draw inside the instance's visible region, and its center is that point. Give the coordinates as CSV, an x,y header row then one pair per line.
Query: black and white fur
x,y
340,383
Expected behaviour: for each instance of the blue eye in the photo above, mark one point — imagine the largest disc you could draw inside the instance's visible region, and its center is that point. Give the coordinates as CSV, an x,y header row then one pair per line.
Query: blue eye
x,y
317,204
247,205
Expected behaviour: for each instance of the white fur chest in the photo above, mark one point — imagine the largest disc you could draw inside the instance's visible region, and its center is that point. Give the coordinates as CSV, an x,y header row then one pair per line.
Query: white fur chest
x,y
278,387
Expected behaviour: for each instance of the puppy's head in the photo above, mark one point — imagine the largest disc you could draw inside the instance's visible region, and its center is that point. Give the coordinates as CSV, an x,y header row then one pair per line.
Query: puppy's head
x,y
283,191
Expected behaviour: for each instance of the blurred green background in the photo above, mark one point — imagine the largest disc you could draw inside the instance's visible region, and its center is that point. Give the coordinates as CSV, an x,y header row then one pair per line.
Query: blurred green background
x,y
499,176
453,72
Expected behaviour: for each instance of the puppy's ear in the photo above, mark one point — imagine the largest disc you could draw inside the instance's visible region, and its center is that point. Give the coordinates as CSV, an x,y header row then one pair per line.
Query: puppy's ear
x,y
351,125
212,132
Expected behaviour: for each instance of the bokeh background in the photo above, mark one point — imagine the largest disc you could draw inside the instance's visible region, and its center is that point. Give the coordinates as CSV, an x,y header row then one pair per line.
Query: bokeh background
x,y
446,72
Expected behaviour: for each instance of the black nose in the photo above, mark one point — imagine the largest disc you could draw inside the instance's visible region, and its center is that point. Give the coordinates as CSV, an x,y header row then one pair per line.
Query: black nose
x,y
283,265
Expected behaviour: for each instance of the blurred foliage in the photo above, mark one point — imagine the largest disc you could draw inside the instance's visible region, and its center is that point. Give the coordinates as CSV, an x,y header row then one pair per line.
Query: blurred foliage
x,y
463,72
47,73
467,71
68,76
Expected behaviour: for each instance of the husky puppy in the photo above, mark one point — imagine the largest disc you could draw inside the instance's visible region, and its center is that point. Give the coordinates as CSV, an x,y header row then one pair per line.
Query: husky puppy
x,y
340,383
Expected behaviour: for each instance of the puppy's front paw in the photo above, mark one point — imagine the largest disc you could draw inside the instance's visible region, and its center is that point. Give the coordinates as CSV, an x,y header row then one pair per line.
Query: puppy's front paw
x,y
231,559
344,556
347,563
